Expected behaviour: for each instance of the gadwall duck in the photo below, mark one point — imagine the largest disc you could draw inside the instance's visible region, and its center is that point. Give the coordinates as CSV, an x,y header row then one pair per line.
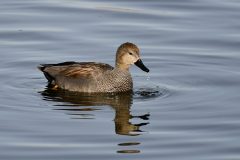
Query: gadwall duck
x,y
96,77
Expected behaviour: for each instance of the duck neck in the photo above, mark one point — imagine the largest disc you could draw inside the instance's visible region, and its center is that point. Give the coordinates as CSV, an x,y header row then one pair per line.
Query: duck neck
x,y
123,67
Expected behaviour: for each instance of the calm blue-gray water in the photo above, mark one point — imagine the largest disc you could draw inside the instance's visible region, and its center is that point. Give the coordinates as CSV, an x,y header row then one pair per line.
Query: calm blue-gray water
x,y
187,107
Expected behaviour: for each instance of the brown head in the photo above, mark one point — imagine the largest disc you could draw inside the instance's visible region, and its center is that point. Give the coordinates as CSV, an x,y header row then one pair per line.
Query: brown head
x,y
127,55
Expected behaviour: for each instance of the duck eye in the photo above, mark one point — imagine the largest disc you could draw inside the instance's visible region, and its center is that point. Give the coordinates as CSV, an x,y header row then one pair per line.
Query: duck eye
x,y
130,53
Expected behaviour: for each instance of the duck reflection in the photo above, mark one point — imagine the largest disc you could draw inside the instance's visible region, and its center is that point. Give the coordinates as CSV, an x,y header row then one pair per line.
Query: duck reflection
x,y
120,102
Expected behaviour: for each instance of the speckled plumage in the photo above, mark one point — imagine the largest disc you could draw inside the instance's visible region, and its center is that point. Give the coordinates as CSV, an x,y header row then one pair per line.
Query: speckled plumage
x,y
95,77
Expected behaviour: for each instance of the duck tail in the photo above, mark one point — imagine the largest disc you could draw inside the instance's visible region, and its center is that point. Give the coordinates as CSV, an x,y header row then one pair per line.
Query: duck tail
x,y
42,67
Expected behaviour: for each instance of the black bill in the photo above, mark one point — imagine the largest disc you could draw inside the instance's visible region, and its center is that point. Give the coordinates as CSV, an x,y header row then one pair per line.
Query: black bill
x,y
140,64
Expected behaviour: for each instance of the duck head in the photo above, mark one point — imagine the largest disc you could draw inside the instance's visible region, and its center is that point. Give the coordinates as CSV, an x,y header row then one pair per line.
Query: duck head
x,y
127,55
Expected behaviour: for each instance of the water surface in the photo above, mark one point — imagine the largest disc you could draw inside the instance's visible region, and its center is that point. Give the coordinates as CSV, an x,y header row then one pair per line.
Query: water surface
x,y
187,107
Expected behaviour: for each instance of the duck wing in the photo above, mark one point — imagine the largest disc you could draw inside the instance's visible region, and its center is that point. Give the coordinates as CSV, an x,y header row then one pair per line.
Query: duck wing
x,y
74,70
